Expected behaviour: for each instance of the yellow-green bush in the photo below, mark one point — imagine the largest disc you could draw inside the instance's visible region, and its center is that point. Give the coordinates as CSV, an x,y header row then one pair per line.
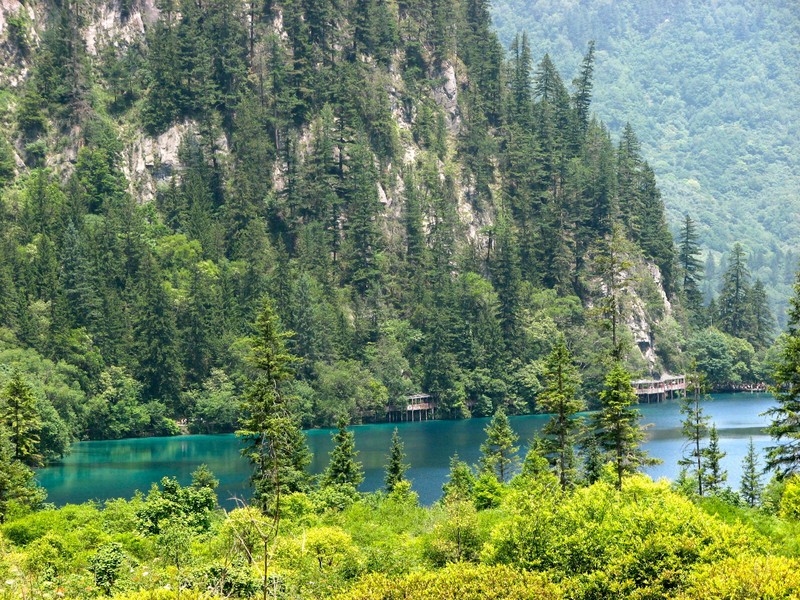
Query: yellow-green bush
x,y
461,581
746,578
641,541
163,594
790,500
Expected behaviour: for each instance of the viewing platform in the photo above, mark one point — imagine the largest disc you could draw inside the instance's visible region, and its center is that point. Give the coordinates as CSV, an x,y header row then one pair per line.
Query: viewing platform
x,y
658,390
418,407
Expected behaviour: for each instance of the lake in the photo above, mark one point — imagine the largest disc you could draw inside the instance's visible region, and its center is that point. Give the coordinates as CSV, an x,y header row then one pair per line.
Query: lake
x,y
102,470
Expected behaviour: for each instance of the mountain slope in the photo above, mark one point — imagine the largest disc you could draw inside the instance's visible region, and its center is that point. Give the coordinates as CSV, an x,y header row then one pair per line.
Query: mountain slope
x,y
710,88
419,220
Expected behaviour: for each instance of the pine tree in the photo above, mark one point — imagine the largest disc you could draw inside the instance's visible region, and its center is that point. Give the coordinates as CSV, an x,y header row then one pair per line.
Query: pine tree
x,y
785,426
629,173
560,399
751,486
395,468
159,367
275,444
364,237
612,265
583,92
691,269
593,460
460,481
734,295
716,476
19,416
617,424
694,428
498,452
343,468
17,482
762,323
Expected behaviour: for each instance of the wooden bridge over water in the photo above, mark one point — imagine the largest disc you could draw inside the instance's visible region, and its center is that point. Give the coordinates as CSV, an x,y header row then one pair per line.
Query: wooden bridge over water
x,y
658,390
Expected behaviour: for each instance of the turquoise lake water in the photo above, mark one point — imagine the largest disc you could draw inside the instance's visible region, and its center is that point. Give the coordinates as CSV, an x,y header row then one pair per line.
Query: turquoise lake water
x,y
102,470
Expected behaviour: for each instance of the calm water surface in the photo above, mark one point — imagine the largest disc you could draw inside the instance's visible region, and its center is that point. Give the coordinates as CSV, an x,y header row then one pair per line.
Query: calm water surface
x,y
102,470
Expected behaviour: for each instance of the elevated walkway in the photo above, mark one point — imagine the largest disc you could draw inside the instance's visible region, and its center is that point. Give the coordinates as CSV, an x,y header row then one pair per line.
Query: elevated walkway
x,y
658,390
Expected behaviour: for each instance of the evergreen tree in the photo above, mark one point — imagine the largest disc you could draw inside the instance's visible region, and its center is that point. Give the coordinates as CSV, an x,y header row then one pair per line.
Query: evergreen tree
x,y
395,468
159,367
498,452
275,444
762,323
17,482
733,298
460,481
629,173
18,414
694,428
343,468
612,265
691,269
715,475
364,238
560,399
751,486
655,238
785,426
593,460
583,92
617,424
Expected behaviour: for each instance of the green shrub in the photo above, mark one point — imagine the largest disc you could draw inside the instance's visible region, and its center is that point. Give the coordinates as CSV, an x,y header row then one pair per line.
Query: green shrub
x,y
458,582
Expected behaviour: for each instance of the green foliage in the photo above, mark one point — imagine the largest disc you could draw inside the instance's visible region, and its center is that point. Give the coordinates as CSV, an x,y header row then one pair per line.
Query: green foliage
x,y
498,452
751,485
715,475
20,419
560,399
745,577
276,446
106,564
18,489
395,468
617,424
343,469
694,428
790,500
460,581
174,505
686,76
785,457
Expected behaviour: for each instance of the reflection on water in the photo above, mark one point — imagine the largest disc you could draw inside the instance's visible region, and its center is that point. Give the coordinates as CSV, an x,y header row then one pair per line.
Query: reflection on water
x,y
101,470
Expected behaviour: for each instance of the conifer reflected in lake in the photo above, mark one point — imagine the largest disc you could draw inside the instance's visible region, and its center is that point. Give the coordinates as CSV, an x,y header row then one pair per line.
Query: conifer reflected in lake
x,y
110,469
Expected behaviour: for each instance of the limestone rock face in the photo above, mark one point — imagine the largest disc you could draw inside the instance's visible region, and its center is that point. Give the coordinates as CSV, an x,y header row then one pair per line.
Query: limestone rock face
x,y
150,161
446,95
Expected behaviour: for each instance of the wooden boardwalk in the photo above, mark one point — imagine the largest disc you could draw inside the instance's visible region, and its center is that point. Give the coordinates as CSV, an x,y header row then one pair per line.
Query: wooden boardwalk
x,y
658,390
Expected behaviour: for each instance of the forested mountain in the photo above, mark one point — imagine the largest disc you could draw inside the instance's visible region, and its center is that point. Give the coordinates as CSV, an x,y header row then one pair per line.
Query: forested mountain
x,y
709,88
424,210
265,215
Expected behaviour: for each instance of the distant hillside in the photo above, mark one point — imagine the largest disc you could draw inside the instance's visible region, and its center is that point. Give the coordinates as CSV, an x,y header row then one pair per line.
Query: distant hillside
x,y
711,89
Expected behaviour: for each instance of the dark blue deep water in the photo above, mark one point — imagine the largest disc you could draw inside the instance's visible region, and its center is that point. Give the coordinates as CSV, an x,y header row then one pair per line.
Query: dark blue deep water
x,y
102,470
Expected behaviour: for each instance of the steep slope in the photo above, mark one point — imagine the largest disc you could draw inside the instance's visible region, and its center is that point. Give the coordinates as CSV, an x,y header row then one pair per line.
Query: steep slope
x,y
424,214
709,87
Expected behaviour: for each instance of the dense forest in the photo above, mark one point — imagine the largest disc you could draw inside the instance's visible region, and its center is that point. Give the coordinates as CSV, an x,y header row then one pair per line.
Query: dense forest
x,y
268,216
425,210
706,85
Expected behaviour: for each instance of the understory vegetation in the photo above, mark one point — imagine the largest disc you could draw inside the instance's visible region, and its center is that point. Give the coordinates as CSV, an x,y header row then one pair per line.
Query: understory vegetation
x,y
534,541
